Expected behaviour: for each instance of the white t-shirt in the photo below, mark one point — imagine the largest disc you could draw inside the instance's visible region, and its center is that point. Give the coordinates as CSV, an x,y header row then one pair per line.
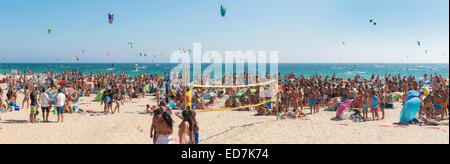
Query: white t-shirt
x,y
60,99
43,99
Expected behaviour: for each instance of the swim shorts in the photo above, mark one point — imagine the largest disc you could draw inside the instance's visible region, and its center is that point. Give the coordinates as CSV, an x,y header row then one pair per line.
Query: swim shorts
x,y
437,106
374,109
366,107
45,109
108,99
312,101
60,110
33,109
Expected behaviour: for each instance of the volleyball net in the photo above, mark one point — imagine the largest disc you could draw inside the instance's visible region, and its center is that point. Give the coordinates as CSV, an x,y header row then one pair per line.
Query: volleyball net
x,y
248,97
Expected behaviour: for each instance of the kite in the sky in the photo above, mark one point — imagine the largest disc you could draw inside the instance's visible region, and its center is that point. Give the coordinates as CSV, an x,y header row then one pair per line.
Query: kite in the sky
x,y
78,58
419,43
426,51
162,53
108,53
110,18
131,44
50,31
373,21
83,51
223,10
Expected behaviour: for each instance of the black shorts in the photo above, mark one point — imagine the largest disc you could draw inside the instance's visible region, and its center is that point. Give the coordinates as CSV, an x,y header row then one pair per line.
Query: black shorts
x,y
45,109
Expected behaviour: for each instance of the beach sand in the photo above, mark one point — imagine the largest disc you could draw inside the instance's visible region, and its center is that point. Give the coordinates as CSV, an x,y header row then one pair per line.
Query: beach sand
x,y
227,127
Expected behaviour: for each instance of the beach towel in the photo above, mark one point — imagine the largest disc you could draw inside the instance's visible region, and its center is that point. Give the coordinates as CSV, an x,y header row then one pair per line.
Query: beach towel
x,y
99,96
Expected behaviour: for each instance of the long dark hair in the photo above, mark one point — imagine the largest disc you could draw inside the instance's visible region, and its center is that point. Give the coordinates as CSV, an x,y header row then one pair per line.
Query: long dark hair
x,y
187,116
168,119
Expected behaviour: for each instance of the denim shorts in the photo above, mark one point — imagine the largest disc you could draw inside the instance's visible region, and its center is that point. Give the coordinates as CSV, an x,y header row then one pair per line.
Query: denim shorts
x,y
60,110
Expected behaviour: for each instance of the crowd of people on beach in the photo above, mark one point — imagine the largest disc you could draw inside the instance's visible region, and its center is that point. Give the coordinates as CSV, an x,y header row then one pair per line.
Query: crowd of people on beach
x,y
373,95
60,92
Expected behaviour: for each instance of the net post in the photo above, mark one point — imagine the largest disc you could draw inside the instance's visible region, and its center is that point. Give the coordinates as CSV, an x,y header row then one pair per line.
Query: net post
x,y
276,96
184,86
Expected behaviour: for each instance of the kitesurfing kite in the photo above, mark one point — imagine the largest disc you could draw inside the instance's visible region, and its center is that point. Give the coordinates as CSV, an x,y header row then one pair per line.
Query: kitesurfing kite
x,y
50,31
162,53
426,51
78,58
223,10
108,53
110,18
419,43
131,44
83,51
373,21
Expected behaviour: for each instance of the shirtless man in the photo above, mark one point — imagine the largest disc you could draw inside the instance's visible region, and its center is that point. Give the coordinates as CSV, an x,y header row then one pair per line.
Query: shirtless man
x,y
437,101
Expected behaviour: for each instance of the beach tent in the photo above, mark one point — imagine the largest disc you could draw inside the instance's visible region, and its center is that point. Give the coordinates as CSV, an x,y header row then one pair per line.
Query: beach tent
x,y
411,107
343,107
99,95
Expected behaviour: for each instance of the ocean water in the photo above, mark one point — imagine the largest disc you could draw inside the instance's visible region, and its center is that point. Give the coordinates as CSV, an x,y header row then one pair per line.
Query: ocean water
x,y
341,70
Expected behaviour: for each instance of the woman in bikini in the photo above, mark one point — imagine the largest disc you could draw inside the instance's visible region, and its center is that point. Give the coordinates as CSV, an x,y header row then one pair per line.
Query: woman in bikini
x,y
185,132
26,98
164,128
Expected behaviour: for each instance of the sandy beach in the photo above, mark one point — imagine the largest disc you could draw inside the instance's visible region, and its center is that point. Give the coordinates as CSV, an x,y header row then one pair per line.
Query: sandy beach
x,y
227,127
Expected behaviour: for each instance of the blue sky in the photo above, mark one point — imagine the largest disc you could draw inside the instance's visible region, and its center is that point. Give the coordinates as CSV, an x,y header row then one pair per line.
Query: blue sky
x,y
305,31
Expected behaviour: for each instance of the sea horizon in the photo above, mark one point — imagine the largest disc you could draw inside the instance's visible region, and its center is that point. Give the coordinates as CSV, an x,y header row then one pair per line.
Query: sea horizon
x,y
343,70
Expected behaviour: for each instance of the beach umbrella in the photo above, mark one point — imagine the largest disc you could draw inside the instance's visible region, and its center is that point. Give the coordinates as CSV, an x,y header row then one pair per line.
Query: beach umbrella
x,y
426,83
411,107
343,107
334,103
395,95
